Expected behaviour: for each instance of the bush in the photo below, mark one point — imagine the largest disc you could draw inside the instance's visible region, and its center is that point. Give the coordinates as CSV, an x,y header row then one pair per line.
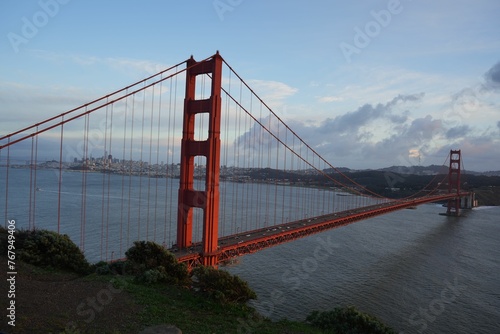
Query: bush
x,y
49,249
153,263
152,276
112,268
20,238
347,321
221,285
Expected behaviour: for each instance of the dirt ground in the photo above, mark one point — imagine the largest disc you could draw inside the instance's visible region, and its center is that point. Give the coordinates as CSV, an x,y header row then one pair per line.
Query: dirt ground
x,y
48,302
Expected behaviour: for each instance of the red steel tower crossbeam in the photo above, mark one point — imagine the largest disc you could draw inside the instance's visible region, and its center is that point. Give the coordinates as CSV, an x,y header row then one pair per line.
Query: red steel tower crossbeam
x,y
208,199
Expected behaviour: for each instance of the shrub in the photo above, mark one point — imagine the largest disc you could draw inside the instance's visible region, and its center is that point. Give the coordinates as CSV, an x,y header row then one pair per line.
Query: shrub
x,y
20,238
49,249
102,268
348,320
156,263
152,276
221,285
112,268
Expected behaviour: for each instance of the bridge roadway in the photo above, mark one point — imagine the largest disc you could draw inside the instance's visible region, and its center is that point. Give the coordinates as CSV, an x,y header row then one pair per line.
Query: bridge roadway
x,y
252,241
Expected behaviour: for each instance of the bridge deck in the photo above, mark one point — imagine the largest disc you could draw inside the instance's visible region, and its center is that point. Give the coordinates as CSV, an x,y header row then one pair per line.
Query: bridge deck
x,y
252,241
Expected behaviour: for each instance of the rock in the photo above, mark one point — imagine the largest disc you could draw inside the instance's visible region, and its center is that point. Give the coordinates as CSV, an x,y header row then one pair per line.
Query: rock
x,y
161,329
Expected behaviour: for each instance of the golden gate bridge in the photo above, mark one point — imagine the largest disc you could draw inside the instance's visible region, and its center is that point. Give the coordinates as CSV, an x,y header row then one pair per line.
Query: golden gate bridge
x,y
168,159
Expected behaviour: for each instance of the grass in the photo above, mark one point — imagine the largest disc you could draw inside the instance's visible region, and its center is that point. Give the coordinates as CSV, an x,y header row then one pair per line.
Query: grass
x,y
56,301
195,314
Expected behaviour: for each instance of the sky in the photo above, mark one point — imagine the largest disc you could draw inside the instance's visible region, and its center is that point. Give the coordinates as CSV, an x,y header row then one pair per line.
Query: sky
x,y
369,84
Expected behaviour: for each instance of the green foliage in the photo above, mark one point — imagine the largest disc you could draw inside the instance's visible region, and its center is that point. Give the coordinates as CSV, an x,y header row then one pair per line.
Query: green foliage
x,y
152,263
347,320
112,268
19,239
102,268
152,276
221,285
49,249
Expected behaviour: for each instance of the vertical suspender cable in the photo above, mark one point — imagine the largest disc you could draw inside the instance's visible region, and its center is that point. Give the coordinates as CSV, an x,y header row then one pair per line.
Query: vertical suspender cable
x,y
234,201
268,187
141,166
110,164
60,179
172,212
225,160
35,168
130,162
260,165
85,164
30,212
7,167
293,186
285,188
103,186
157,176
245,187
276,178
150,160
122,171
169,170
255,192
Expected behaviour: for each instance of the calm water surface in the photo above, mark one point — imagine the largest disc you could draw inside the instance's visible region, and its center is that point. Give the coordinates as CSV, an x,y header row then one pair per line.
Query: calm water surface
x,y
414,269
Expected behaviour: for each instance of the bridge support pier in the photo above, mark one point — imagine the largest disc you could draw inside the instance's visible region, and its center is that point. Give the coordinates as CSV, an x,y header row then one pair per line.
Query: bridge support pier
x,y
469,201
207,199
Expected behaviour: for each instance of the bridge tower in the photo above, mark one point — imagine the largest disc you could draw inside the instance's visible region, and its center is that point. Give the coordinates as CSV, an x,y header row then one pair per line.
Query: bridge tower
x,y
454,183
207,199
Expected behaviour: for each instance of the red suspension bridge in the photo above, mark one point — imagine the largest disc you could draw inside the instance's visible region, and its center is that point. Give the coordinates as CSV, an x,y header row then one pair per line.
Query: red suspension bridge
x,y
226,179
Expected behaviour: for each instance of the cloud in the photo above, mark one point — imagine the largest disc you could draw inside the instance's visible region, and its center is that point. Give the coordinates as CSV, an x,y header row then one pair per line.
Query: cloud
x,y
349,134
424,128
397,148
457,132
367,113
272,92
26,104
492,77
380,135
327,99
142,67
